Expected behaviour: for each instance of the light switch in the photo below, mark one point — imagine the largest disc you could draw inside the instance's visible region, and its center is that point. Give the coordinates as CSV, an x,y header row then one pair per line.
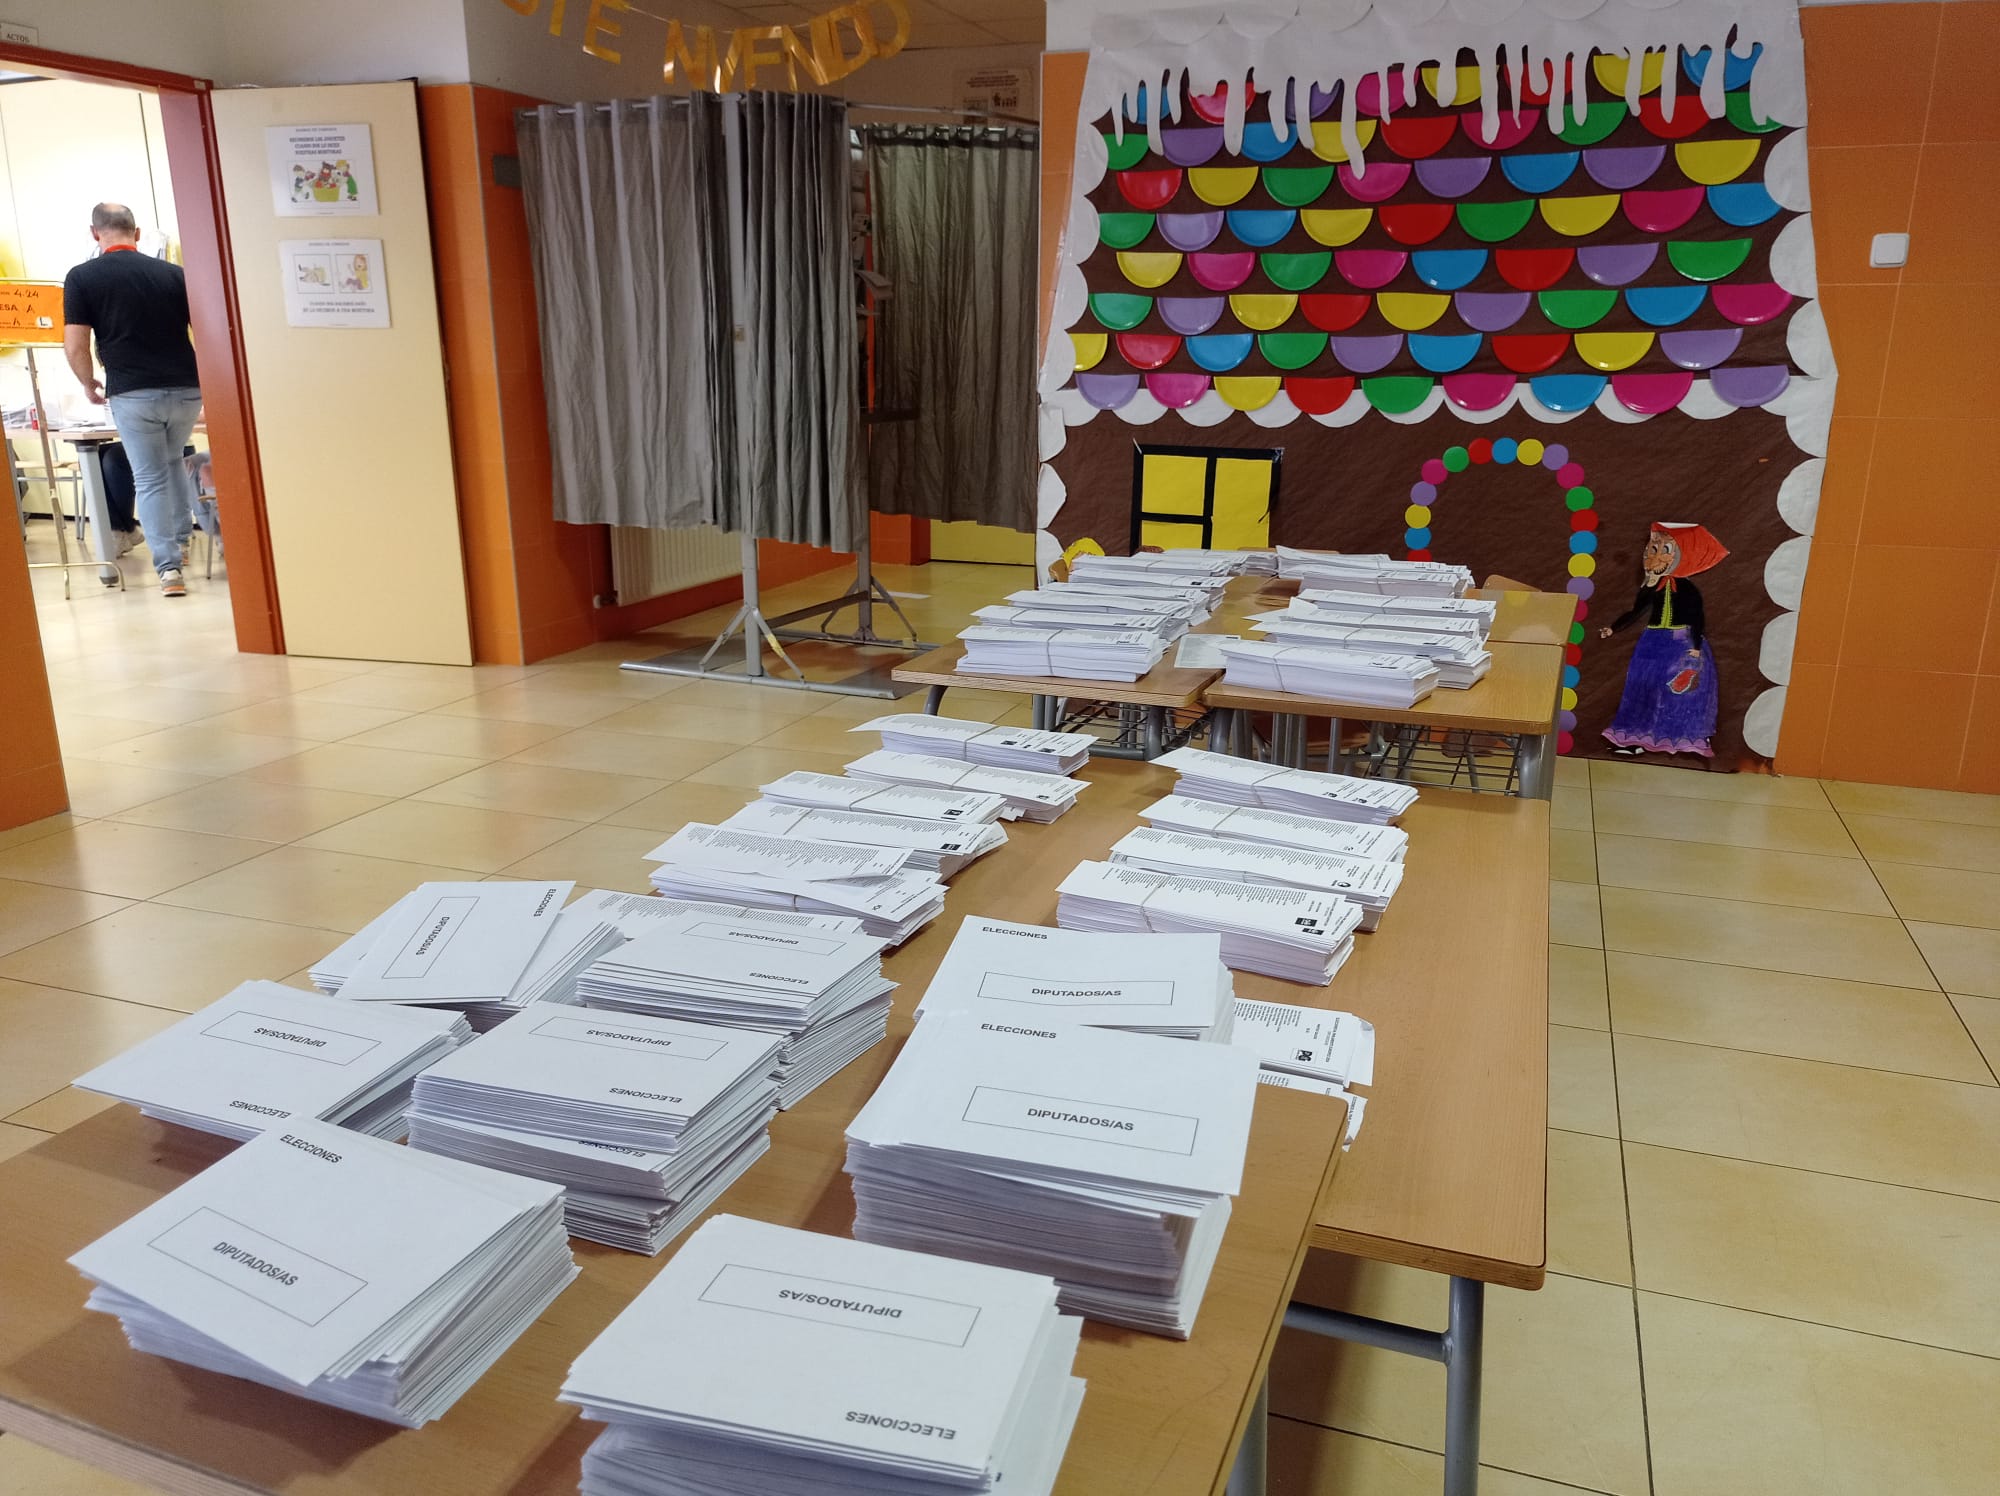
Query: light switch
x,y
1886,251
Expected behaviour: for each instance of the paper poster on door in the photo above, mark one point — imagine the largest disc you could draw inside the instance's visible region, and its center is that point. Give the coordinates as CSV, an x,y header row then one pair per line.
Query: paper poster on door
x,y
321,170
334,283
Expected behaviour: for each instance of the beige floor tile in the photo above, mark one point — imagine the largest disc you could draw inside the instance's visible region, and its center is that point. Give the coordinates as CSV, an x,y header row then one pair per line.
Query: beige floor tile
x,y
1964,959
972,706
398,693
755,766
1804,1114
666,811
298,717
1982,1021
304,886
51,1036
255,809
677,717
1587,1237
368,771
469,677
531,701
1909,1264
1573,771
1562,1397
639,754
1307,1460
604,675
98,790
1618,775
1583,1091
1798,879
1574,918
1784,1013
1576,987
1775,828
133,862
767,701
1743,1404
568,794
62,820
1570,809
28,1468
166,706
167,957
34,911
1816,942
1573,856
1933,843
451,835
200,748
1913,804
80,734
1941,895
15,1140
64,1109
275,675
600,856
483,738
820,734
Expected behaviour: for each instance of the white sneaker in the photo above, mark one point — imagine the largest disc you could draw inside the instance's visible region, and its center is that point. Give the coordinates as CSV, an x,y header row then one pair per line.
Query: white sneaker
x,y
172,584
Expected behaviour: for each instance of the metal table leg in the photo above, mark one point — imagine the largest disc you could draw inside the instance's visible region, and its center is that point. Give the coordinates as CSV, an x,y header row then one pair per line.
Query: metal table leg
x,y
1332,746
1218,730
1246,1477
1239,731
1155,740
1537,767
103,541
933,699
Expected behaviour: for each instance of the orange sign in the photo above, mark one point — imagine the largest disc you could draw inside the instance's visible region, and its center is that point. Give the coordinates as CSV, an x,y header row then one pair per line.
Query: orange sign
x,y
31,312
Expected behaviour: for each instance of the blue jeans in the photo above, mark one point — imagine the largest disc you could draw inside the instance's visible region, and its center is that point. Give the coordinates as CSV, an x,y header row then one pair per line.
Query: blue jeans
x,y
155,426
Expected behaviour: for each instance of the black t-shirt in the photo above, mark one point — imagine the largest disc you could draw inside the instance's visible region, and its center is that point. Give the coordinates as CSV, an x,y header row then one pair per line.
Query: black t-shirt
x,y
138,308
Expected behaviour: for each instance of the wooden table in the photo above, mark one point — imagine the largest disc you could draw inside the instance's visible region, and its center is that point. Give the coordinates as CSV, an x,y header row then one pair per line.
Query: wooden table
x,y
1529,617
1162,1418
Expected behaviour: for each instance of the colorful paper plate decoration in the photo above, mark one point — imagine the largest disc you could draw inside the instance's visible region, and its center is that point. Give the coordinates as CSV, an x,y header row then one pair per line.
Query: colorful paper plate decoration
x,y
1742,204
1261,227
1219,352
1507,131
1296,186
1530,352
1689,116
1148,350
1089,348
1219,186
1747,305
1533,269
1574,217
1323,139
1176,391
1261,141
1150,269
1120,311
1291,350
1652,394
1580,307
1616,264
1621,166
1317,395
1663,211
1190,145
1601,117
1383,180
1490,223
1149,191
1444,354
1460,86
1123,155
1335,311
1247,392
1296,271
1478,391
1736,68
1413,136
1568,392
1615,71
1397,394
1710,162
1539,172
1707,259
1411,311
1125,230
1369,268
1737,106
1107,391
1452,176
1414,223
1221,270
1665,306
1185,231
1612,351
1491,311
1448,269
1750,385
1191,315
1262,312
1334,227
1700,348
1367,354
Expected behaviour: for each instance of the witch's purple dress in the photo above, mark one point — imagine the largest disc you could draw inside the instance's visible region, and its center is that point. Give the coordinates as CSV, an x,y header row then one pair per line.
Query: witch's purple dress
x,y
1652,715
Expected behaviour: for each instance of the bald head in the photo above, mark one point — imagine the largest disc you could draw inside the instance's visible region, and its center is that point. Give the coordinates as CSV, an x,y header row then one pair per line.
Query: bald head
x,y
113,223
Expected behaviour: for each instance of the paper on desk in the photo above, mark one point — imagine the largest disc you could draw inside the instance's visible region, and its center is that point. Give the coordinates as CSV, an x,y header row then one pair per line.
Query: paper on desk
x,y
636,913
1202,651
1317,1043
457,942
1036,973
779,858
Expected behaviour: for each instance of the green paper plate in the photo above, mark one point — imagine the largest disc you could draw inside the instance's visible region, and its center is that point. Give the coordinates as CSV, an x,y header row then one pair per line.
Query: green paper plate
x,y
1124,230
1396,394
1121,311
1492,222
1297,186
1129,153
1297,272
1602,117
1291,350
1707,259
1574,309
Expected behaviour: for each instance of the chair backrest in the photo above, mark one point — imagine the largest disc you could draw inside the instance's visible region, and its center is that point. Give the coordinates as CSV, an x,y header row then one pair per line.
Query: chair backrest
x,y
1498,583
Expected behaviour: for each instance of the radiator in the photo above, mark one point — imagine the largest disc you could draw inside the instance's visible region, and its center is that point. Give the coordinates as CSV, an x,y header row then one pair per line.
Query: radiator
x,y
648,563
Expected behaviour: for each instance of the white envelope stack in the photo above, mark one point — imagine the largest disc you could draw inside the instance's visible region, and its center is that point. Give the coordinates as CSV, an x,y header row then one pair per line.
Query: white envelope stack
x,y
1375,573
1295,934
1067,654
642,1121
1204,589
1177,606
837,792
1038,797
1192,562
879,886
1278,828
944,848
1460,658
1027,748
1105,1160
1052,619
1480,610
1368,884
1169,986
820,994
267,1055
1228,780
785,1363
1396,681
350,1271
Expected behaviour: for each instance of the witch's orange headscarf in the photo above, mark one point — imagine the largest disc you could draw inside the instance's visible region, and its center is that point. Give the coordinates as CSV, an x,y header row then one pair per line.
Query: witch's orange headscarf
x,y
1696,549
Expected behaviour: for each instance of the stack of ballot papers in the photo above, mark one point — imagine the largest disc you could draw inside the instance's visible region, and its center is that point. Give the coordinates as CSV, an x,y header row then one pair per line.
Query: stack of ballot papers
x,y
267,1055
1198,563
1052,619
1278,828
836,792
1374,612
1170,986
1460,658
1310,1049
1478,610
820,993
1176,604
1295,934
1229,780
940,847
487,949
764,1359
1105,1160
1375,574
644,1122
1070,654
1038,797
1369,884
1030,748
876,886
350,1271
1396,681
637,914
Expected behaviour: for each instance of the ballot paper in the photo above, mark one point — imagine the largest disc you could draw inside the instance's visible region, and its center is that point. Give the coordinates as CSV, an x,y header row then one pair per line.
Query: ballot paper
x,y
1368,884
267,1055
1050,620
1356,1105
836,792
1176,603
938,847
1278,828
1481,609
1460,659
1192,562
1471,626
1068,654
456,942
1039,797
1395,681
636,914
788,1363
1313,1043
1106,1160
353,1272
703,862
1173,986
1294,934
1229,780
1201,651
1375,573
1028,748
793,861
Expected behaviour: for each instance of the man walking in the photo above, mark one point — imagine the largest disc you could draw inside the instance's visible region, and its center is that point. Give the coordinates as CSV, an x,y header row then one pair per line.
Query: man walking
x,y
137,306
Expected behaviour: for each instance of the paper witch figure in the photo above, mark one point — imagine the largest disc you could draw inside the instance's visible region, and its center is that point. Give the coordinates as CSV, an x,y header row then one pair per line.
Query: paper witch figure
x,y
1670,687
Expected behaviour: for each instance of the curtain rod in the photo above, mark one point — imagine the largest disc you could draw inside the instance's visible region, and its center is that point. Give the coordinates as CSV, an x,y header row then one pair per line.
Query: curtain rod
x,y
854,106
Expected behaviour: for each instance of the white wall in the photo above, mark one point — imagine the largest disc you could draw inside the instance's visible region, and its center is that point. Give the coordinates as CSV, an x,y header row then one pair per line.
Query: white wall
x,y
273,42
179,36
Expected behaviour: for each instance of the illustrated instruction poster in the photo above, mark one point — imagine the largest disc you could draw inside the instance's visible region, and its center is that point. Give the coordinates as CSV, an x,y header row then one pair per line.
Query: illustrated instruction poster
x,y
321,170
334,283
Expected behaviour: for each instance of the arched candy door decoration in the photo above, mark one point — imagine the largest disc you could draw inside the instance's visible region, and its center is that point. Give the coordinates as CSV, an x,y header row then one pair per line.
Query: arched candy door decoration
x,y
1582,560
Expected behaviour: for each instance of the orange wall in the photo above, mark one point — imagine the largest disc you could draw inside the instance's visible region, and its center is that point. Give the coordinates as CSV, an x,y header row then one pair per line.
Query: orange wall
x,y
1896,678
31,773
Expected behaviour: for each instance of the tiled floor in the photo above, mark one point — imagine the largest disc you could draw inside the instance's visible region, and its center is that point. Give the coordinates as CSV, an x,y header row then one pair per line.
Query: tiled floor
x,y
1774,1156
